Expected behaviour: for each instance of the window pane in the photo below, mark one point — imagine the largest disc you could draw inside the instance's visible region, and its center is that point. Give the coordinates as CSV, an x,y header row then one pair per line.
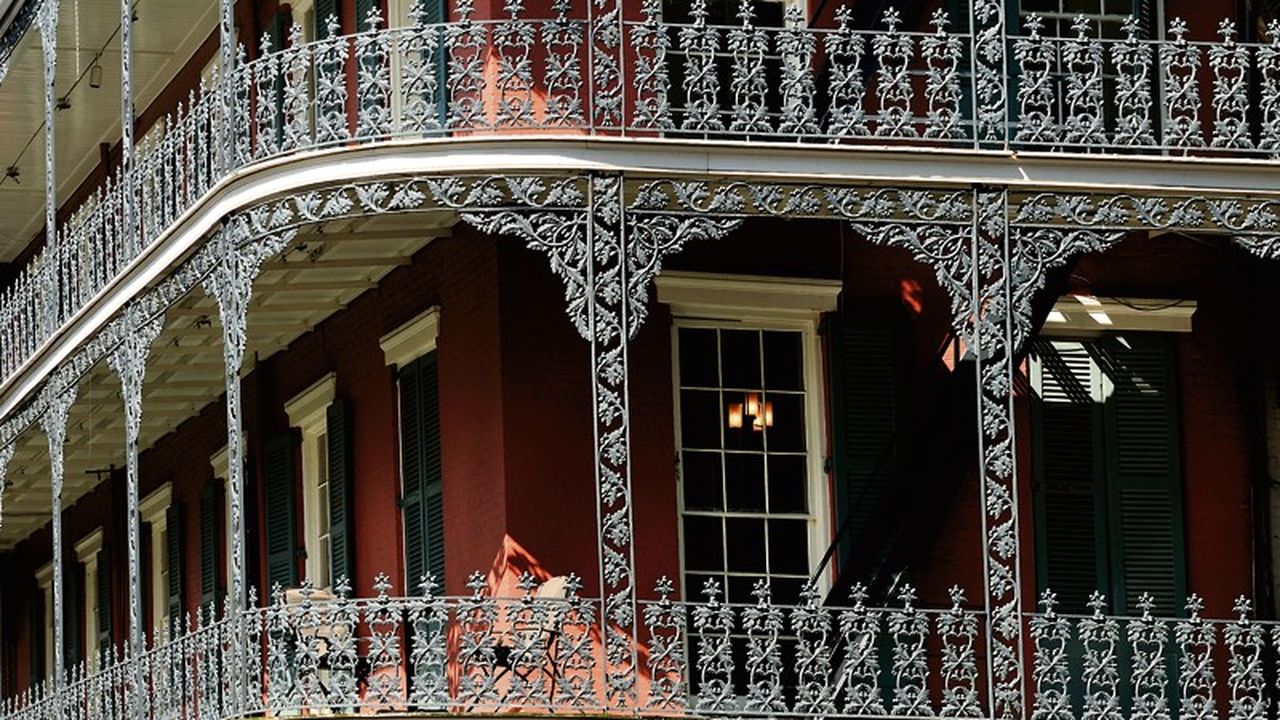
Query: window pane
x,y
701,477
700,419
788,547
787,432
698,358
787,481
740,359
703,544
744,481
782,361
744,539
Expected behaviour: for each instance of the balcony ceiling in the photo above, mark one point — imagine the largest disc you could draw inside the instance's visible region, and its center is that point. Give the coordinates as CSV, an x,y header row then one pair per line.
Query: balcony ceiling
x,y
321,274
166,35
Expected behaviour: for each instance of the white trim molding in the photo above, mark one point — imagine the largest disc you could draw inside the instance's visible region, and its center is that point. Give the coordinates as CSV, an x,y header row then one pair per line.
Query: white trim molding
x,y
744,298
306,410
411,340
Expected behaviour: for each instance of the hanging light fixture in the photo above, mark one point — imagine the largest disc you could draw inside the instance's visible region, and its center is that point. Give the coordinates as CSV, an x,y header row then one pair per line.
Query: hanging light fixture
x,y
760,413
95,76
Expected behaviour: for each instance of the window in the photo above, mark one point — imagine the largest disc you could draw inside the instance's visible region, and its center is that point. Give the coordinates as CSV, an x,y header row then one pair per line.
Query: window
x,y
411,350
308,412
156,511
749,435
97,594
421,471
1108,486
748,504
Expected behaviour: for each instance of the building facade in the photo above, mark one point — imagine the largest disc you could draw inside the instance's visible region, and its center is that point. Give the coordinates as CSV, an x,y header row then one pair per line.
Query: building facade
x,y
639,358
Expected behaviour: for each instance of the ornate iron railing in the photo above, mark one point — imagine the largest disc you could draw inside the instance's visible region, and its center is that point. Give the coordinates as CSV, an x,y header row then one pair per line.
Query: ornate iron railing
x,y
684,81
312,652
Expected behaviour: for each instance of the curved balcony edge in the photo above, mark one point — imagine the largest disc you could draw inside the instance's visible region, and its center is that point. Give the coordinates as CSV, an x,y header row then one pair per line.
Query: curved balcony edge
x,y
556,155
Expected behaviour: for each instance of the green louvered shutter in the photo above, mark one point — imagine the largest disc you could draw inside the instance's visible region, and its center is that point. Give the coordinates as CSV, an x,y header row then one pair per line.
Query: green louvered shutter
x,y
210,538
279,479
341,472
324,9
1144,468
421,470
104,600
173,552
36,636
865,356
73,613
1068,473
363,7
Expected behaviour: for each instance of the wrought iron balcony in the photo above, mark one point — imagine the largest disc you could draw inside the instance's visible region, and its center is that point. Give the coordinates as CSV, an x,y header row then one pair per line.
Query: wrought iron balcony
x,y
797,85
312,652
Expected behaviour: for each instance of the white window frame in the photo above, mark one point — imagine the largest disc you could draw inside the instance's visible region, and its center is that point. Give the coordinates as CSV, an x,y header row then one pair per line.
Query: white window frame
x,y
400,347
44,580
87,553
152,511
706,300
308,411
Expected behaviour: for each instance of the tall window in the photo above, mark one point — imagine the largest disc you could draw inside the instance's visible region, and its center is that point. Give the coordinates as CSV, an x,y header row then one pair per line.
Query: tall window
x,y
747,496
1108,485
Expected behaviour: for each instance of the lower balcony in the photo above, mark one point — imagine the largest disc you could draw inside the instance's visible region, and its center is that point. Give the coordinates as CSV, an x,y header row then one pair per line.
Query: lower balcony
x,y
314,653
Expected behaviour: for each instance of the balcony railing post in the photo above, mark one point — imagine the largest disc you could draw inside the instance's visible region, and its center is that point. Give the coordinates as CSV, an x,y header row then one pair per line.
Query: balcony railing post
x,y
239,256
128,361
609,330
989,58
59,396
47,22
992,337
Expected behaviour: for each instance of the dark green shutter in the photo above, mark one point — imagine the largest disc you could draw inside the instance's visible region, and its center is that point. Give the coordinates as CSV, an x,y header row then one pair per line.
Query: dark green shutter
x,y
279,480
36,635
341,472
173,551
1069,506
1108,483
1144,469
362,14
104,600
324,9
210,538
421,471
865,363
73,614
